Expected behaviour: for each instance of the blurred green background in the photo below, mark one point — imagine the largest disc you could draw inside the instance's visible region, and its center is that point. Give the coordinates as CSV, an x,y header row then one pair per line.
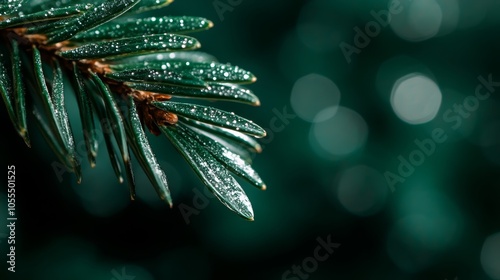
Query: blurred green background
x,y
382,138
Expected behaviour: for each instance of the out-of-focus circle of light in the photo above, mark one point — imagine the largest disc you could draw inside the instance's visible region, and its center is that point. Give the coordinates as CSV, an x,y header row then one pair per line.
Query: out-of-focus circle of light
x,y
418,20
407,243
493,12
467,127
295,59
312,94
362,190
490,256
316,27
431,224
428,202
416,99
393,69
318,37
451,16
473,12
340,135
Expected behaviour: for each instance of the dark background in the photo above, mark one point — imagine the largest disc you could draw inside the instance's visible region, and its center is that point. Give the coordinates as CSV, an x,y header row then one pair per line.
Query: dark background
x,y
442,222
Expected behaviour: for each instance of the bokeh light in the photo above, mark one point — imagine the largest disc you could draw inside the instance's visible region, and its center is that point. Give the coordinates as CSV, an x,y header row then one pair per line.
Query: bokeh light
x,y
430,224
314,93
324,170
473,12
393,69
467,127
316,27
416,99
451,16
409,243
490,256
418,20
296,59
362,190
493,11
340,135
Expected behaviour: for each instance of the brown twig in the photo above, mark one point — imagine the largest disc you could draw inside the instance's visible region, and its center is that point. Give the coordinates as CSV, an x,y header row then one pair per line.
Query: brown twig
x,y
149,114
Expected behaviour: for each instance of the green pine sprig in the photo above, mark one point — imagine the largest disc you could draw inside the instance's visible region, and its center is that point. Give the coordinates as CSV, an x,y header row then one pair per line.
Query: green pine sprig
x,y
127,74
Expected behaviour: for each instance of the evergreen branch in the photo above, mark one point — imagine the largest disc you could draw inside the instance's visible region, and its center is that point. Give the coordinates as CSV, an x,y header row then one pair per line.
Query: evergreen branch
x,y
125,72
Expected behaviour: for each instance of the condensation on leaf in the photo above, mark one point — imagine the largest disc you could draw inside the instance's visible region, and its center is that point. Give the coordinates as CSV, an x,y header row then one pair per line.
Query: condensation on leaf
x,y
157,76
209,72
211,171
118,128
138,27
8,7
100,14
6,89
19,93
229,159
226,92
235,138
192,56
145,155
148,5
132,46
86,115
212,116
50,14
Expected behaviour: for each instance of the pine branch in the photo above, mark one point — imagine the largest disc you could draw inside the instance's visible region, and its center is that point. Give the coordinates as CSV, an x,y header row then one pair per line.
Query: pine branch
x,y
126,74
